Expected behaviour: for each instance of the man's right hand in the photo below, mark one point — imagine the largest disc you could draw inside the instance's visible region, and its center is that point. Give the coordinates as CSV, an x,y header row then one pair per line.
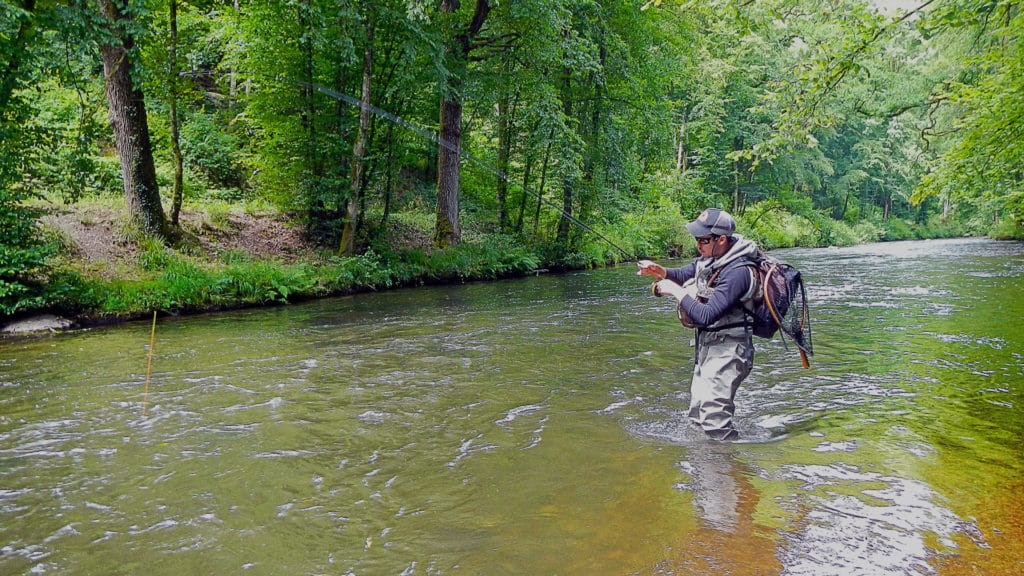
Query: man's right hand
x,y
649,268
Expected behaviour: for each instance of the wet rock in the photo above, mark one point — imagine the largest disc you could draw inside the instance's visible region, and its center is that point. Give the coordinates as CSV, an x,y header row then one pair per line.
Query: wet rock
x,y
43,323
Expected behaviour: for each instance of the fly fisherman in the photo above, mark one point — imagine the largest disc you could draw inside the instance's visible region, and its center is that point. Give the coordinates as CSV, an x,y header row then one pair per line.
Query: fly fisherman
x,y
714,305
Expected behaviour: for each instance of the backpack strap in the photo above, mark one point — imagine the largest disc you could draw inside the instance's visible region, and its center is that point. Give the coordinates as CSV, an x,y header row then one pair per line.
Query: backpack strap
x,y
755,278
747,300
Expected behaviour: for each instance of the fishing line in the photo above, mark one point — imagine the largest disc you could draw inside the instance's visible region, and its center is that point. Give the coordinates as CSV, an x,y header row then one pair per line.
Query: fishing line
x,y
453,148
149,364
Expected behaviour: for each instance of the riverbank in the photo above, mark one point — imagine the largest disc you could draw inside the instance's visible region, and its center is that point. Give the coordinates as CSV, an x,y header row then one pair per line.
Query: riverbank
x,y
239,255
231,256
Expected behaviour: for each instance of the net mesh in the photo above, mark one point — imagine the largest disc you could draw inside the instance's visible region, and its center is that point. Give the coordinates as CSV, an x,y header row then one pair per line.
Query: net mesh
x,y
794,317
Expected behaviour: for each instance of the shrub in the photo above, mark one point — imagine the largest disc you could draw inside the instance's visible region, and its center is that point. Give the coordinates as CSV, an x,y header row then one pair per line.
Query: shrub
x,y
208,151
23,254
897,229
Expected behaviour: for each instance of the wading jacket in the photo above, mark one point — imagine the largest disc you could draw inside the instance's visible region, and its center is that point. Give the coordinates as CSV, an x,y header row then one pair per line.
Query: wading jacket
x,y
724,284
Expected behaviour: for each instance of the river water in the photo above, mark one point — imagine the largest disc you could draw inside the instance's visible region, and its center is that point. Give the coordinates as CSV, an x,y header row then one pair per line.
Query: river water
x,y
532,426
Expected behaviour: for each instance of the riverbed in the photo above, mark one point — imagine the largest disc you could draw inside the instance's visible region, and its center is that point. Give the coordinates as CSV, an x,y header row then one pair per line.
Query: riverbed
x,y
531,426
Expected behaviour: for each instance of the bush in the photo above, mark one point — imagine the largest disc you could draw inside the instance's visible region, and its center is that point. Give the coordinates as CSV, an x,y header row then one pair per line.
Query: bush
x,y
656,230
772,226
496,257
23,254
1007,229
897,229
208,151
866,231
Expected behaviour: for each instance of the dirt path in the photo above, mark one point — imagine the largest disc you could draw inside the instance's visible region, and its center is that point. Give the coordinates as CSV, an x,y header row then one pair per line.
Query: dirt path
x,y
94,234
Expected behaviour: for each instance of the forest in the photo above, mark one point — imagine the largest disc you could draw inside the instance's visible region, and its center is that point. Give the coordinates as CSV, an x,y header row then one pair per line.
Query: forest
x,y
415,141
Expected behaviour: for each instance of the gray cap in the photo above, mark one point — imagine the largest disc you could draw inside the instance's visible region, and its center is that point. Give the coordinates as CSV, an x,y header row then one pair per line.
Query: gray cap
x,y
712,222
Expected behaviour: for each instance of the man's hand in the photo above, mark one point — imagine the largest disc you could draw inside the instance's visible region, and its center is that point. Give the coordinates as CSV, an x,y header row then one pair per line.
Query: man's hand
x,y
649,268
670,288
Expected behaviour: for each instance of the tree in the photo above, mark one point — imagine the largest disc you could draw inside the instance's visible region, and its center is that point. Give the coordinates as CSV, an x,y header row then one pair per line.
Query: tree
x,y
348,232
986,92
177,192
129,122
457,49
22,253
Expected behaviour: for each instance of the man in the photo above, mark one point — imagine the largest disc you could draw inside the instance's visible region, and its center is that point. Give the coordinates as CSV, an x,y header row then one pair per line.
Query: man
x,y
724,281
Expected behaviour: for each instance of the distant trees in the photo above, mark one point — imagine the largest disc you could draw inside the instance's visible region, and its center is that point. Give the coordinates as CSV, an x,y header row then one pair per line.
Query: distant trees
x,y
974,117
600,111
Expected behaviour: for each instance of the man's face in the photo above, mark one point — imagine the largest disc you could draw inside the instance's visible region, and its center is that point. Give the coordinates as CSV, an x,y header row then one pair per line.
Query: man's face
x,y
710,246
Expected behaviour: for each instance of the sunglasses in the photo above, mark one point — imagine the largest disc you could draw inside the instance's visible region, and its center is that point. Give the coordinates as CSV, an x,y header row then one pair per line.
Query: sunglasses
x,y
705,240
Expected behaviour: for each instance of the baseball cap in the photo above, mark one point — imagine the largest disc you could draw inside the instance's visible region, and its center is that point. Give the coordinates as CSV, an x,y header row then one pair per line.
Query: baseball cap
x,y
712,221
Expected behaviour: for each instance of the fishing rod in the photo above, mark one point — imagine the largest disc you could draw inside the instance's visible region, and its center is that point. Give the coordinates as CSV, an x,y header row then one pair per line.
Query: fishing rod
x,y
341,96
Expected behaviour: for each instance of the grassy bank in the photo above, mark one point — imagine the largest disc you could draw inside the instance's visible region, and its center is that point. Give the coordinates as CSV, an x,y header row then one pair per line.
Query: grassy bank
x,y
241,255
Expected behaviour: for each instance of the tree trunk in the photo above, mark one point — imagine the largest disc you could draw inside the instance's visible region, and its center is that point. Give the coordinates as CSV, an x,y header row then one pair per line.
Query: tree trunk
x,y
348,232
527,170
447,230
232,76
177,189
308,94
389,172
504,126
562,235
131,129
543,183
735,186
682,156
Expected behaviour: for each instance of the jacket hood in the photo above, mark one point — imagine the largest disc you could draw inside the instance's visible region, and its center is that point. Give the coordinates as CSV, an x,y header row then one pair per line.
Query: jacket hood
x,y
741,248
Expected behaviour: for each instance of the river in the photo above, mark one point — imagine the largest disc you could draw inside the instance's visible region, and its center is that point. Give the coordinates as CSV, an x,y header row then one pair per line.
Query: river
x,y
531,426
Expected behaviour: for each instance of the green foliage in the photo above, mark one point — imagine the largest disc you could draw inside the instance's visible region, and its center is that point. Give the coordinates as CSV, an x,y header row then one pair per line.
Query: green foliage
x,y
364,271
657,229
1007,229
981,119
497,257
894,229
772,226
211,153
23,254
155,256
816,128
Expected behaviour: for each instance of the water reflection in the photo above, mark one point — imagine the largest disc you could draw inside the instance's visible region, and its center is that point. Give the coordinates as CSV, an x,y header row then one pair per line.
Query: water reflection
x,y
716,492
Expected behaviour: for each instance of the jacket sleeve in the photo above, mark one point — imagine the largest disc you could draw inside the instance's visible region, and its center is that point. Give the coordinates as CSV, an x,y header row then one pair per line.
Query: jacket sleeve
x,y
680,275
730,287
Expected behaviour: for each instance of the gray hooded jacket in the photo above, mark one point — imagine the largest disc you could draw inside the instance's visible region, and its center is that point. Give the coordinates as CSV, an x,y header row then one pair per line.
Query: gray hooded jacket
x,y
723,285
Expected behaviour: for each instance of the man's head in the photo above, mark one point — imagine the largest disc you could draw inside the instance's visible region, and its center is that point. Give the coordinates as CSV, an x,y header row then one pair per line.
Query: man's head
x,y
713,230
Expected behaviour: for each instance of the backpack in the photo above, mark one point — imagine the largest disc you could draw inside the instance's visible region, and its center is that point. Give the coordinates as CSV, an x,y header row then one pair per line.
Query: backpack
x,y
778,300
778,287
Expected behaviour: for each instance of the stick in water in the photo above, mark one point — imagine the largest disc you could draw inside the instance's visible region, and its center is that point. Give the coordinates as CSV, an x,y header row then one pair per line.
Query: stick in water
x,y
149,364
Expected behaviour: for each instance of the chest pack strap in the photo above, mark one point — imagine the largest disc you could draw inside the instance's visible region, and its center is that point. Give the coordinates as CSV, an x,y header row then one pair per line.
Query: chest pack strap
x,y
745,324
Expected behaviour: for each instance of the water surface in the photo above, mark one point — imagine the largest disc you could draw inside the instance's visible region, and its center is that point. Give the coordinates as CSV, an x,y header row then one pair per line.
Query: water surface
x,y
532,426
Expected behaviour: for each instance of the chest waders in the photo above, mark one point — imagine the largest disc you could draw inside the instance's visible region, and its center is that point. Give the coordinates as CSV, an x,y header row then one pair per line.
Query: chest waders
x,y
724,356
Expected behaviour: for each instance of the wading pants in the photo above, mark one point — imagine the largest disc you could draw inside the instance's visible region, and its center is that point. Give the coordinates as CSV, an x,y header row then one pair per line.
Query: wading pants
x,y
724,358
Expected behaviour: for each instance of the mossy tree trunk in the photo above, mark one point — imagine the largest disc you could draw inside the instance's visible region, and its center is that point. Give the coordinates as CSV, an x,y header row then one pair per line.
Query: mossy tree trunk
x,y
129,122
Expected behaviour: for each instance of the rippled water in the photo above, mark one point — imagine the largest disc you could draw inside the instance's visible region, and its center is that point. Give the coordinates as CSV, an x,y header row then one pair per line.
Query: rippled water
x,y
532,426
